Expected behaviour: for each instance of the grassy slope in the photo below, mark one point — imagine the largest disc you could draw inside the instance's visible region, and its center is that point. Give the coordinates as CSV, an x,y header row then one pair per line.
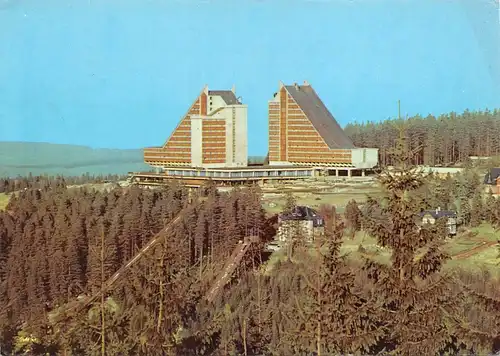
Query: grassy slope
x,y
314,199
21,158
484,258
4,200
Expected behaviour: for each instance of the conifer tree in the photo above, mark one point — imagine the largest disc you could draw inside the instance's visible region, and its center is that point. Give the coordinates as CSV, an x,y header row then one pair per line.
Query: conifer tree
x,y
472,182
476,212
330,316
416,300
103,265
464,215
496,212
290,203
440,190
353,217
489,208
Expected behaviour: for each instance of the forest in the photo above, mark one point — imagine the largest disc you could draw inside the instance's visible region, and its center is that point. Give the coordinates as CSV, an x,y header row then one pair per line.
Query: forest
x,y
9,185
60,244
445,140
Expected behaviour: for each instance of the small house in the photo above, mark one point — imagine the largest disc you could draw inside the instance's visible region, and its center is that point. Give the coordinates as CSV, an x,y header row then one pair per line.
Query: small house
x,y
431,216
302,220
492,180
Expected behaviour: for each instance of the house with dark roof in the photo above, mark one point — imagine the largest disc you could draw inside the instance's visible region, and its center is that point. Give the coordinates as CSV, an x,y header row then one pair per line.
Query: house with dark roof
x,y
492,180
302,131
432,216
302,221
212,134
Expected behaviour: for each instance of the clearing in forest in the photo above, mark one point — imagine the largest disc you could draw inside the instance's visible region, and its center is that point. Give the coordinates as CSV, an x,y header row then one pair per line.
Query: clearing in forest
x,y
4,200
472,249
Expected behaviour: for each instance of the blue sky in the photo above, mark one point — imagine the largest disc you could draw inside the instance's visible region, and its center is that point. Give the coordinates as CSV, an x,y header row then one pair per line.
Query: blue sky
x,y
120,74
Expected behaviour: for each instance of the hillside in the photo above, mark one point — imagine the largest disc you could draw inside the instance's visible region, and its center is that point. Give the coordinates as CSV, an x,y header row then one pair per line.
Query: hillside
x,y
21,158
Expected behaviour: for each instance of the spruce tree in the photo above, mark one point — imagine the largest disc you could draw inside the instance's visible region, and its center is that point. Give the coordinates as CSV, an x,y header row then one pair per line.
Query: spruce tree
x,y
329,316
353,217
489,208
290,203
416,300
496,212
441,191
476,212
464,215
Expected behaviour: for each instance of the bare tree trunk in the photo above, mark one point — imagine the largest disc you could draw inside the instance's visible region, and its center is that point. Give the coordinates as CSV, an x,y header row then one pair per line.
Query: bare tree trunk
x,y
201,259
245,337
212,241
259,302
103,329
318,286
401,266
160,307
68,289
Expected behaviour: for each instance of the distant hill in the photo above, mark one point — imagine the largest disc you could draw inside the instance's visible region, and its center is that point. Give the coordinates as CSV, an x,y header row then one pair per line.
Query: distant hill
x,y
21,158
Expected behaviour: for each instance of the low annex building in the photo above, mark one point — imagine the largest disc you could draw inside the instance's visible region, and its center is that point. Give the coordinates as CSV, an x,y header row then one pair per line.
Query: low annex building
x,y
212,134
302,131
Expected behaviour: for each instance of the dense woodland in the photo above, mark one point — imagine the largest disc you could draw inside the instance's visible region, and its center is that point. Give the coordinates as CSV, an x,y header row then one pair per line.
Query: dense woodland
x,y
444,140
59,244
9,185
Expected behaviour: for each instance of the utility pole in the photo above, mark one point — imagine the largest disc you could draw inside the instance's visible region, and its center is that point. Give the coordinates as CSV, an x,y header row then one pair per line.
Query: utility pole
x,y
399,109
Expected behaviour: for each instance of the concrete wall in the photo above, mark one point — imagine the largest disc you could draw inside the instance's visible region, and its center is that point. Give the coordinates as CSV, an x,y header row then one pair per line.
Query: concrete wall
x,y
298,228
280,163
217,102
236,134
228,116
236,139
295,228
364,157
428,219
196,141
241,139
451,223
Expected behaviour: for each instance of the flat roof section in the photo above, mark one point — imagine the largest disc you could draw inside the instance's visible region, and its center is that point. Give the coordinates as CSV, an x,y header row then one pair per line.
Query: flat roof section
x,y
248,168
